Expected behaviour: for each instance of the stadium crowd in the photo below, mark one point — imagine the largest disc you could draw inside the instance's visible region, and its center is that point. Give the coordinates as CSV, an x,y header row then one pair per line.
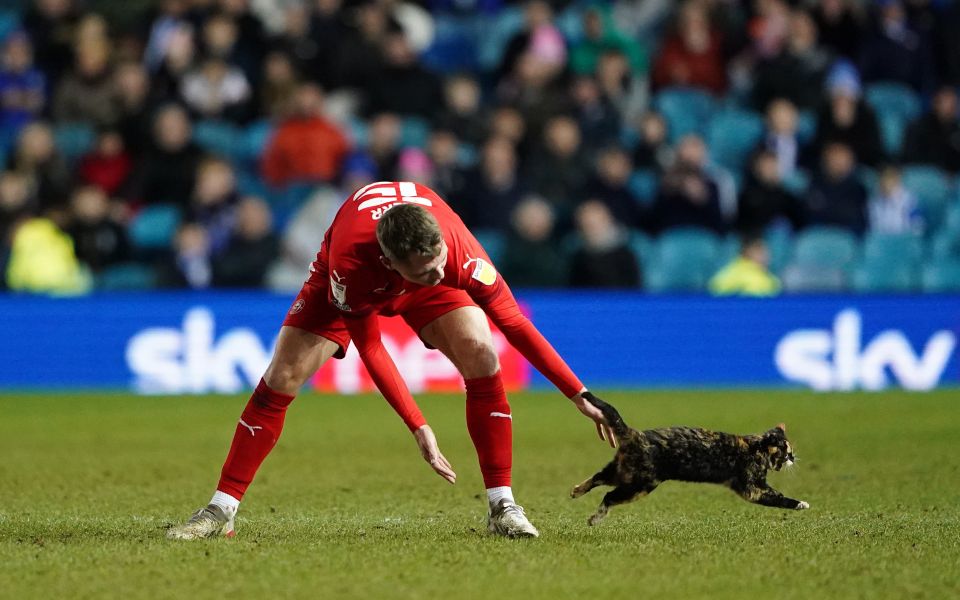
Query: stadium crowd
x,y
647,143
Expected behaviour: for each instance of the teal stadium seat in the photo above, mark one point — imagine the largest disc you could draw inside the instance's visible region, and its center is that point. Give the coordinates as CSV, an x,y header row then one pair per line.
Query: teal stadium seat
x,y
414,133
494,34
154,227
685,259
493,241
806,126
797,182
885,277
821,261
945,245
686,110
9,21
216,137
254,140
932,188
126,277
896,105
644,184
942,276
904,248
73,140
732,135
779,243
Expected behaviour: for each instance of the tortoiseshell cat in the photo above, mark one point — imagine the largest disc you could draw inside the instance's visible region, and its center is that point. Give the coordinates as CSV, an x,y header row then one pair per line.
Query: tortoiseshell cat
x,y
647,458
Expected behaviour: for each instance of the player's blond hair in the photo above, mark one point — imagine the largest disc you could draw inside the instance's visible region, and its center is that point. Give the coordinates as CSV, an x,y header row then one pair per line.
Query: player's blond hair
x,y
408,229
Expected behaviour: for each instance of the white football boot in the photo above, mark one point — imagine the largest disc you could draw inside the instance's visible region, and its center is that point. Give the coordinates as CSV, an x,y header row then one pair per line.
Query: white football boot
x,y
508,519
205,523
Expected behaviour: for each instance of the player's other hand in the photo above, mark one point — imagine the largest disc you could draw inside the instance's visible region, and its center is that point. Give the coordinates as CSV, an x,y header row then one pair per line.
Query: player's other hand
x,y
431,453
591,411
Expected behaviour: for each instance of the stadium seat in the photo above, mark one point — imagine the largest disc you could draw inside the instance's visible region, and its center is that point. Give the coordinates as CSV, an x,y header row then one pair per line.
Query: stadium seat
x,y
879,276
893,249
893,99
493,241
946,244
254,140
126,277
414,133
154,227
797,182
686,110
73,140
942,276
779,241
494,34
806,126
453,47
892,129
826,247
644,184
642,247
732,135
932,189
222,139
685,259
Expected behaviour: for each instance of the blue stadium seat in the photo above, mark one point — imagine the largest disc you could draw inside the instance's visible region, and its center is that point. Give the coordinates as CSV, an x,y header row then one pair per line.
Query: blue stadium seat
x,y
9,20
154,227
254,140
732,135
806,126
216,137
126,277
494,34
880,276
797,182
73,140
686,110
453,48
779,243
942,276
893,248
892,129
893,99
825,247
946,245
493,241
685,259
642,247
932,188
414,133
644,184
812,278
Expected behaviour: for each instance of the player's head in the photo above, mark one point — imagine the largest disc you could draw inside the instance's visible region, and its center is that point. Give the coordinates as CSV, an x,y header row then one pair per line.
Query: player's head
x,y
412,244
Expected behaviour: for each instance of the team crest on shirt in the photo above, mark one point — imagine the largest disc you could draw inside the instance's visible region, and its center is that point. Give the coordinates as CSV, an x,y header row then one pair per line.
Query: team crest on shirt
x,y
339,291
482,271
297,306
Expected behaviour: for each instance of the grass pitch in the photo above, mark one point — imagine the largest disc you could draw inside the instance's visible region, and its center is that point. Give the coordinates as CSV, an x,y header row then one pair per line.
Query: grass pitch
x,y
345,507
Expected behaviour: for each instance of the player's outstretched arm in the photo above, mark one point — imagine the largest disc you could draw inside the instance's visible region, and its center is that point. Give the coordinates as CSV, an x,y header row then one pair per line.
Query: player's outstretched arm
x,y
365,333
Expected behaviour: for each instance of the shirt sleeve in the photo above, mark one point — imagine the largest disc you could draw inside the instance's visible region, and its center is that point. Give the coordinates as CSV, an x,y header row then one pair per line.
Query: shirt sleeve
x,y
365,333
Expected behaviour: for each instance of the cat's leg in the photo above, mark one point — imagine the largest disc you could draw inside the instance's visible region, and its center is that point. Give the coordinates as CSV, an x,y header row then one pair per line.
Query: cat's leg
x,y
767,496
621,495
606,476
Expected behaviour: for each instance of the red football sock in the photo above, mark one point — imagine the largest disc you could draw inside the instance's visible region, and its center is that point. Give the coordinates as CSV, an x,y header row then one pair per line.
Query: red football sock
x,y
491,428
256,435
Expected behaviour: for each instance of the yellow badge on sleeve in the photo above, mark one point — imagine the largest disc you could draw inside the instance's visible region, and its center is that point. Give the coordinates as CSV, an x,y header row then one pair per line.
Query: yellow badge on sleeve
x,y
482,271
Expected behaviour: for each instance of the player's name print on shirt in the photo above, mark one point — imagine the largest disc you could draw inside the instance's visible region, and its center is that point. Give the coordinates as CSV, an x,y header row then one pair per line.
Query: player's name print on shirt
x,y
482,270
383,195
339,291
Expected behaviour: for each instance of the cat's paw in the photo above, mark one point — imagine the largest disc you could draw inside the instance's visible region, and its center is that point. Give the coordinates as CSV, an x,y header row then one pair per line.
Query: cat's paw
x,y
593,520
803,505
577,491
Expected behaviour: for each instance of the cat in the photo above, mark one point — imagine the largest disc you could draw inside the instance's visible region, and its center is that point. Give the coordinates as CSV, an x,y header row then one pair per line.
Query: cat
x,y
647,458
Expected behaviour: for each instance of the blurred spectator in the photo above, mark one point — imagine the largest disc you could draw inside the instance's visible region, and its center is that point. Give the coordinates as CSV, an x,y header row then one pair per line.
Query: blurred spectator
x,y
837,197
895,51
781,138
133,121
600,35
764,201
692,55
748,274
947,44
610,185
603,260
627,91
51,24
493,189
190,266
402,85
22,87
360,55
532,257
688,197
87,93
652,150
179,54
16,203
100,240
893,208
448,176
108,165
328,31
36,157
279,84
217,90
848,119
250,249
42,259
462,113
214,201
383,145
165,22
934,138
166,172
597,118
539,41
221,38
508,122
560,170
839,24
797,71
413,164
306,146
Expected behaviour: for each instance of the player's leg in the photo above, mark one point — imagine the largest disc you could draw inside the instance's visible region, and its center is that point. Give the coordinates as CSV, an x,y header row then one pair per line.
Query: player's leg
x,y
463,335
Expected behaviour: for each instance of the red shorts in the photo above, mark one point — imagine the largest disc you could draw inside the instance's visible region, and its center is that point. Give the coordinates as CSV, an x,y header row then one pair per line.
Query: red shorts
x,y
312,311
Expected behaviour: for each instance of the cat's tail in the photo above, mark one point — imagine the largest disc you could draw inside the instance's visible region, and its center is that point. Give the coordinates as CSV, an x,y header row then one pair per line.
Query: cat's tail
x,y
621,429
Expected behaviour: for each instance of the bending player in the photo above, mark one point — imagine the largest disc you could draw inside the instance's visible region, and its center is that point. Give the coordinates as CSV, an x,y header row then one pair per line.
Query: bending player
x,y
396,248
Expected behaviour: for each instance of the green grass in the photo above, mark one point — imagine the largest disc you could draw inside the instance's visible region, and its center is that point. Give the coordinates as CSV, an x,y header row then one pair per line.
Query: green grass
x,y
345,507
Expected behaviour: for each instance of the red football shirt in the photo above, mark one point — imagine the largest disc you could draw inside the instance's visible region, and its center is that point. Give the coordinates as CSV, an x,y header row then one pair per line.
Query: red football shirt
x,y
361,287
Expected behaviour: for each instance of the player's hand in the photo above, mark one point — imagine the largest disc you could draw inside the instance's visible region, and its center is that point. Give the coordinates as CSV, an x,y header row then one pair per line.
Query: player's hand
x,y
591,411
431,453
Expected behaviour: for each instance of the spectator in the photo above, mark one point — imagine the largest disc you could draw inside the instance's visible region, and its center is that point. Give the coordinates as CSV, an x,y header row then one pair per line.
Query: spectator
x,y
535,88
895,51
848,119
687,197
360,56
217,90
462,113
179,54
383,145
627,91
87,93
51,25
251,247
214,200
166,172
597,118
42,259
652,150
893,208
748,274
781,137
797,71
36,157
560,170
402,85
164,23
328,31
539,40
280,82
600,36
947,44
190,266
100,239
935,137
443,150
837,197
508,122
221,38
839,24
22,87
764,202
493,189
610,185
603,260
413,164
16,203
532,257
306,146
108,166
133,121
693,54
